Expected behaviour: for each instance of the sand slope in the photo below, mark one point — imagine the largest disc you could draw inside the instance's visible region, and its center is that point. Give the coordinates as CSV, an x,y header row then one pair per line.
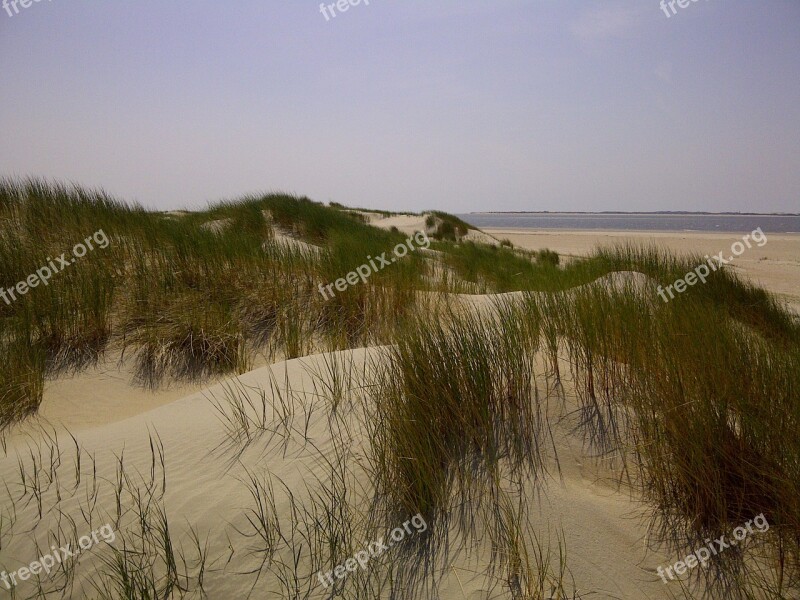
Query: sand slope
x,y
205,487
207,491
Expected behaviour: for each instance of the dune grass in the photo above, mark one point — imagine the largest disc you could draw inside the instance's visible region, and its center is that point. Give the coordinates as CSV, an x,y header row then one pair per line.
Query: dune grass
x,y
696,398
181,299
189,301
502,269
454,392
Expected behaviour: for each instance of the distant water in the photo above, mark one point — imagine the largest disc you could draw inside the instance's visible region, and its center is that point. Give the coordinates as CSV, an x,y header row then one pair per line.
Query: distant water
x,y
647,222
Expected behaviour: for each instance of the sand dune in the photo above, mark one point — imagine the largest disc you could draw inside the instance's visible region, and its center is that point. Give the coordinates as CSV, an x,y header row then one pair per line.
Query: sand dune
x,y
603,528
138,456
207,473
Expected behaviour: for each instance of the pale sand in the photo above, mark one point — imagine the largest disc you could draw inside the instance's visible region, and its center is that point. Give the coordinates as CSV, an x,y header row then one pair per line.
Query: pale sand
x,y
293,244
775,266
604,529
409,224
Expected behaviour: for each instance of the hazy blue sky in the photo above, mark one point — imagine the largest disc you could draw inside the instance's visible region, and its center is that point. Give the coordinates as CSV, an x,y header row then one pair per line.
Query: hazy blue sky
x,y
409,104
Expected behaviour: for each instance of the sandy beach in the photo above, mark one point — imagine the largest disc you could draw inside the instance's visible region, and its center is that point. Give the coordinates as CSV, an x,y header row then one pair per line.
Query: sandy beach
x,y
775,266
257,483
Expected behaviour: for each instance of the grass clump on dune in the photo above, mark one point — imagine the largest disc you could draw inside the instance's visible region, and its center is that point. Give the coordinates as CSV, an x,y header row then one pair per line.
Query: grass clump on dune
x,y
186,295
715,436
459,435
742,300
454,393
503,269
703,411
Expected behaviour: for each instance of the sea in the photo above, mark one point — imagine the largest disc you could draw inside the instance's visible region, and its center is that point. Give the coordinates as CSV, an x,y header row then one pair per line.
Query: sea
x,y
637,221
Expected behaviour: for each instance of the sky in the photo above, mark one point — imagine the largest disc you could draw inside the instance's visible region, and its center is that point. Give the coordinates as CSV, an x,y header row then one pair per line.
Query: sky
x,y
458,105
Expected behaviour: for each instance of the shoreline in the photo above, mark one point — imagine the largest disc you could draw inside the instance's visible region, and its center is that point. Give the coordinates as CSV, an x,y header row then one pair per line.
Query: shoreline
x,y
647,214
631,231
